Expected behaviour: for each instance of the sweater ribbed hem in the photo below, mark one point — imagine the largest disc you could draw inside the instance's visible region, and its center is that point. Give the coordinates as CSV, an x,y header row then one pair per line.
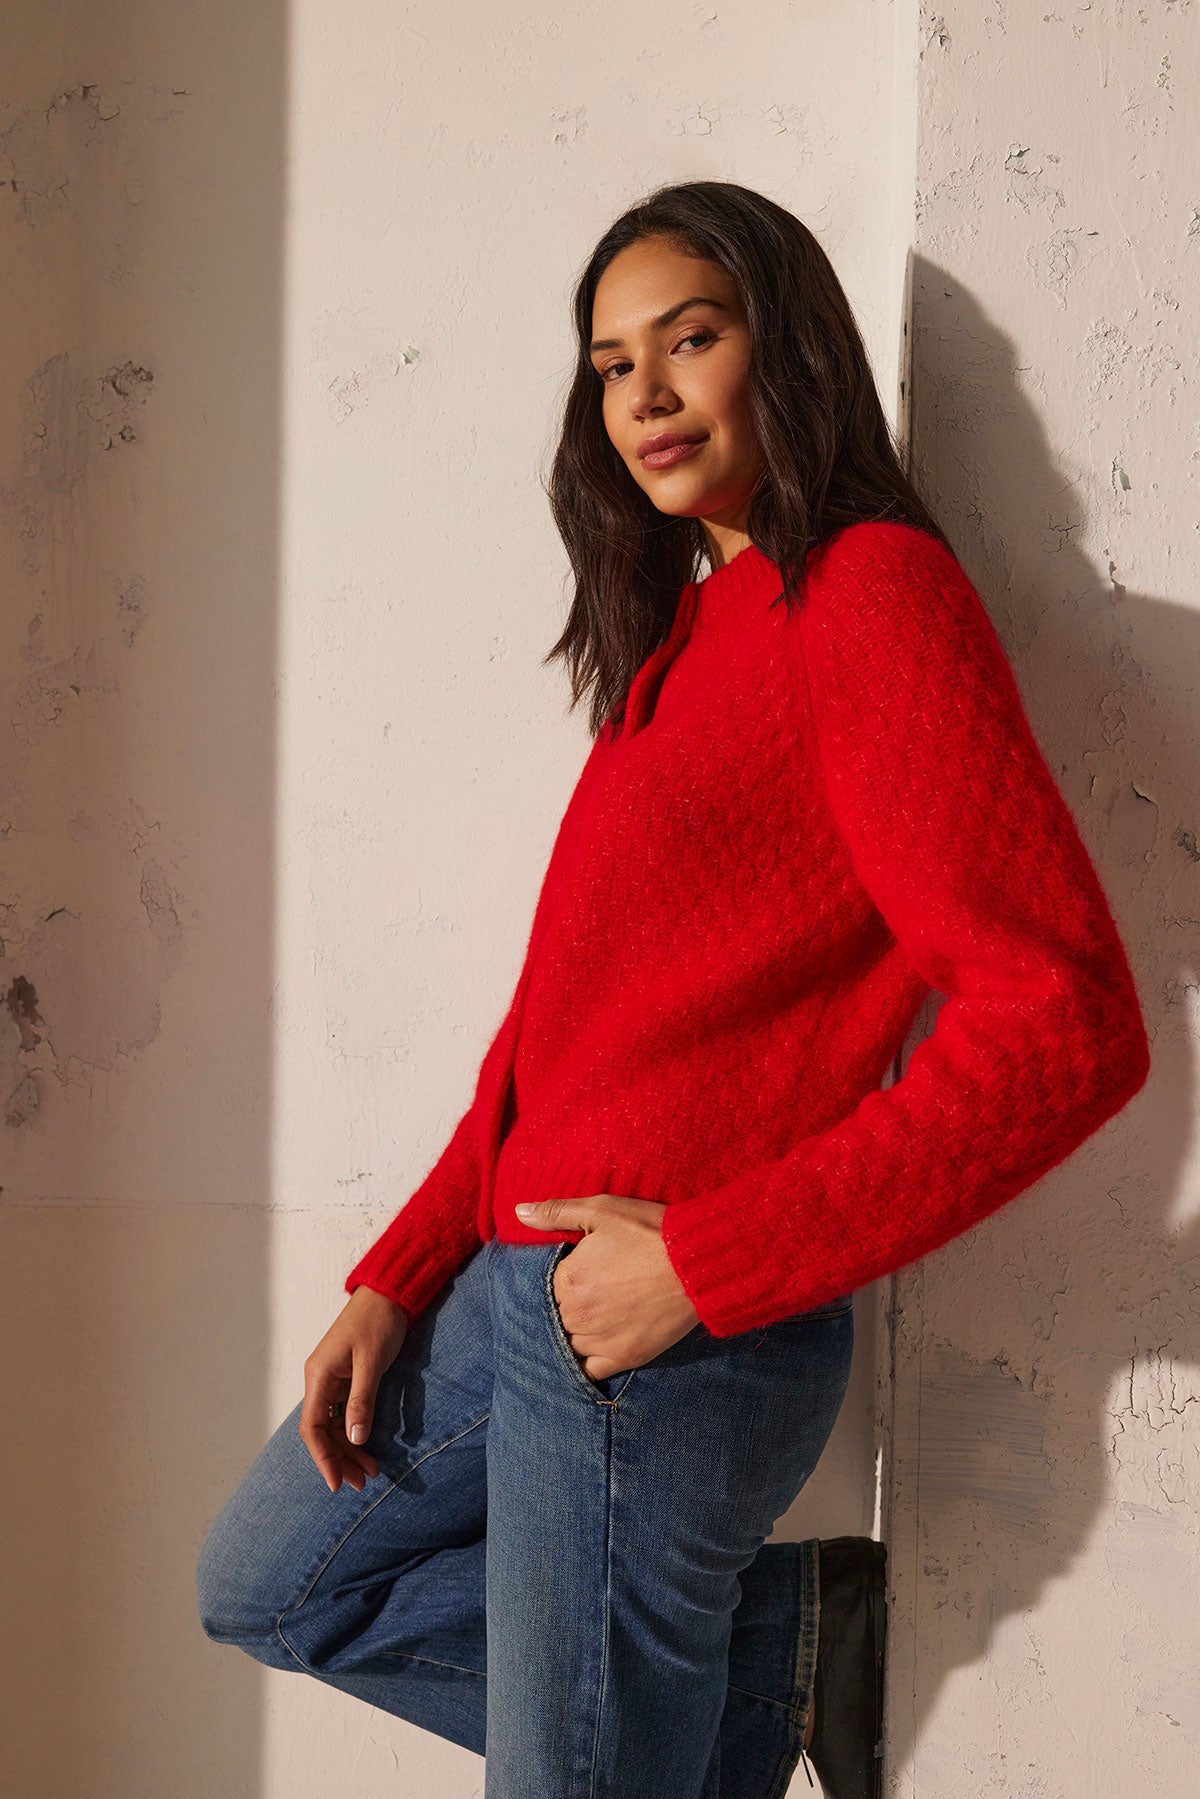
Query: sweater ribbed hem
x,y
699,1258
567,1174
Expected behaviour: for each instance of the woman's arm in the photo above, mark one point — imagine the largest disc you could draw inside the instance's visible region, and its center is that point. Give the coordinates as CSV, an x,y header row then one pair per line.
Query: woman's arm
x,y
959,832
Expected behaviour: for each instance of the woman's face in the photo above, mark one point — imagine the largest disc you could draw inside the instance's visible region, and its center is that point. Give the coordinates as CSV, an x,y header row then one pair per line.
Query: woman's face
x,y
671,348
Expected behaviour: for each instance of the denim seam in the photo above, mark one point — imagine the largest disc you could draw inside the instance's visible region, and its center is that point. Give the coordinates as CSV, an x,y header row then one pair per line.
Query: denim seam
x,y
784,1705
797,1716
806,1648
429,1661
604,1635
817,1315
787,1767
814,1636
290,1610
294,1653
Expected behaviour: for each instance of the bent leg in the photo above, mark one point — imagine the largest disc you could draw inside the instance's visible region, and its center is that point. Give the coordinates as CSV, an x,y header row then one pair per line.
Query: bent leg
x,y
622,1515
379,1593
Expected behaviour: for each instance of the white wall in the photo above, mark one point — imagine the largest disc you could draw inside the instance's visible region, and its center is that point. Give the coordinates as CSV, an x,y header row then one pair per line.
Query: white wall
x,y
1044,1532
286,333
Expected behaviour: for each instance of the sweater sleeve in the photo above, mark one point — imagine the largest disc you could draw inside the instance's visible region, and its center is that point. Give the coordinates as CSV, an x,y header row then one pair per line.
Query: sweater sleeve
x,y
956,828
433,1233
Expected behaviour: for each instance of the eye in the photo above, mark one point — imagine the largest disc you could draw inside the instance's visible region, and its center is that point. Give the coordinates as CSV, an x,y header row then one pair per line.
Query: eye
x,y
691,338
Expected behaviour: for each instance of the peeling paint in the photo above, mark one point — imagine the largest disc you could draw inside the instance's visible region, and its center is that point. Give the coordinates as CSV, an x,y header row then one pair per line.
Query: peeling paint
x,y
983,1444
21,1001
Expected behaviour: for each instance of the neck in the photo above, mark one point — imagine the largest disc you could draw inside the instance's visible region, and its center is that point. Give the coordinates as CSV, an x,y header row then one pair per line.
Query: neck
x,y
723,543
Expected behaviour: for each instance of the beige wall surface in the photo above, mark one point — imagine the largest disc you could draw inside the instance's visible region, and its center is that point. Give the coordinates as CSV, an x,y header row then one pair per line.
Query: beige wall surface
x,y
1046,1478
285,333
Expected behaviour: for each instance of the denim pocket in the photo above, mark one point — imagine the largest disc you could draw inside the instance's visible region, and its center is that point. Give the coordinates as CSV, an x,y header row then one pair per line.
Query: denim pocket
x,y
612,1384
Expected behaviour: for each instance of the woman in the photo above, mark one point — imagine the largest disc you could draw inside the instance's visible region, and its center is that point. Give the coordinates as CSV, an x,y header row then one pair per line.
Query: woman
x,y
524,1500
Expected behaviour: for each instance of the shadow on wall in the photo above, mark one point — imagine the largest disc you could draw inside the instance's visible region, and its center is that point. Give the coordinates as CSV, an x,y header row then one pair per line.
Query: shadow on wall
x,y
1046,1361
141,170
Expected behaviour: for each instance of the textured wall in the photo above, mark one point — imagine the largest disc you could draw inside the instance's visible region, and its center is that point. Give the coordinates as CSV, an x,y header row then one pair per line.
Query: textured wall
x,y
285,329
1045,1525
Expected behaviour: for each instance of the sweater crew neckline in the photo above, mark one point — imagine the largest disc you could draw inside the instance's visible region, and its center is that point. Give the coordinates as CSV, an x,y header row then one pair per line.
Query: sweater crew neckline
x,y
744,577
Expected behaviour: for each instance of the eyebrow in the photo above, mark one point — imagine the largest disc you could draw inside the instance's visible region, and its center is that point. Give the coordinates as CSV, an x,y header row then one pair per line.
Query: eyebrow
x,y
660,323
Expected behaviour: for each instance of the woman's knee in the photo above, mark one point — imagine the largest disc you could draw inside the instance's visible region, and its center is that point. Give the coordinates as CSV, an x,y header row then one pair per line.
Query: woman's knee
x,y
220,1597
246,1571
236,1599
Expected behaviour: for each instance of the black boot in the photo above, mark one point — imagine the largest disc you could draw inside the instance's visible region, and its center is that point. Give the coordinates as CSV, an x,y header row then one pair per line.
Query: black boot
x,y
847,1743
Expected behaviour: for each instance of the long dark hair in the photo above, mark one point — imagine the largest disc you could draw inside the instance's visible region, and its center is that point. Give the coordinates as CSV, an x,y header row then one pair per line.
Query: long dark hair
x,y
830,456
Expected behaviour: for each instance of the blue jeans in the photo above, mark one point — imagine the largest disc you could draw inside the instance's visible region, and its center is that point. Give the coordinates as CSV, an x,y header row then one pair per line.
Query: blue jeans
x,y
568,1576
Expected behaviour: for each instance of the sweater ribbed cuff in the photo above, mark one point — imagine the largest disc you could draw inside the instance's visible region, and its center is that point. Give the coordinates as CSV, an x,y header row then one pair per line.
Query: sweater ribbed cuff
x,y
732,1275
409,1273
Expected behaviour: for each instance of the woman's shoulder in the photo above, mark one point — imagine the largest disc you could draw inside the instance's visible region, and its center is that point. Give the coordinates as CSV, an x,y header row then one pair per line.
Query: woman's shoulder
x,y
895,600
887,547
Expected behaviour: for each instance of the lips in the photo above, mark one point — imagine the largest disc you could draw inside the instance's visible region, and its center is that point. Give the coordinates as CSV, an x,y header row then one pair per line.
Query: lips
x,y
668,440
682,450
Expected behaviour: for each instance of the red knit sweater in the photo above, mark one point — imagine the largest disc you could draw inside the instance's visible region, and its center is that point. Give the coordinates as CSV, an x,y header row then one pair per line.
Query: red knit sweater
x,y
803,825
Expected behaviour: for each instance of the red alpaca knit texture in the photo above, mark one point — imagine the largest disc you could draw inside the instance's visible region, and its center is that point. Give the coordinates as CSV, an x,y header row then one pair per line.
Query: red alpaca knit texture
x,y
804,824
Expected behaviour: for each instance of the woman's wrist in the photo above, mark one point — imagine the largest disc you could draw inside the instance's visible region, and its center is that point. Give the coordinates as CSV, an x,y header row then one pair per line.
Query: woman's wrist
x,y
383,1298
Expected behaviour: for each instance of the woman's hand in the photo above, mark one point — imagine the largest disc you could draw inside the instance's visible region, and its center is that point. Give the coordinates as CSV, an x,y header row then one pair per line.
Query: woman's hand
x,y
348,1363
620,1300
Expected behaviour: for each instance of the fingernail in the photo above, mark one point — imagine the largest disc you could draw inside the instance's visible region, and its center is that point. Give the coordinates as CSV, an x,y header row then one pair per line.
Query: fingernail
x,y
358,1433
526,1210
